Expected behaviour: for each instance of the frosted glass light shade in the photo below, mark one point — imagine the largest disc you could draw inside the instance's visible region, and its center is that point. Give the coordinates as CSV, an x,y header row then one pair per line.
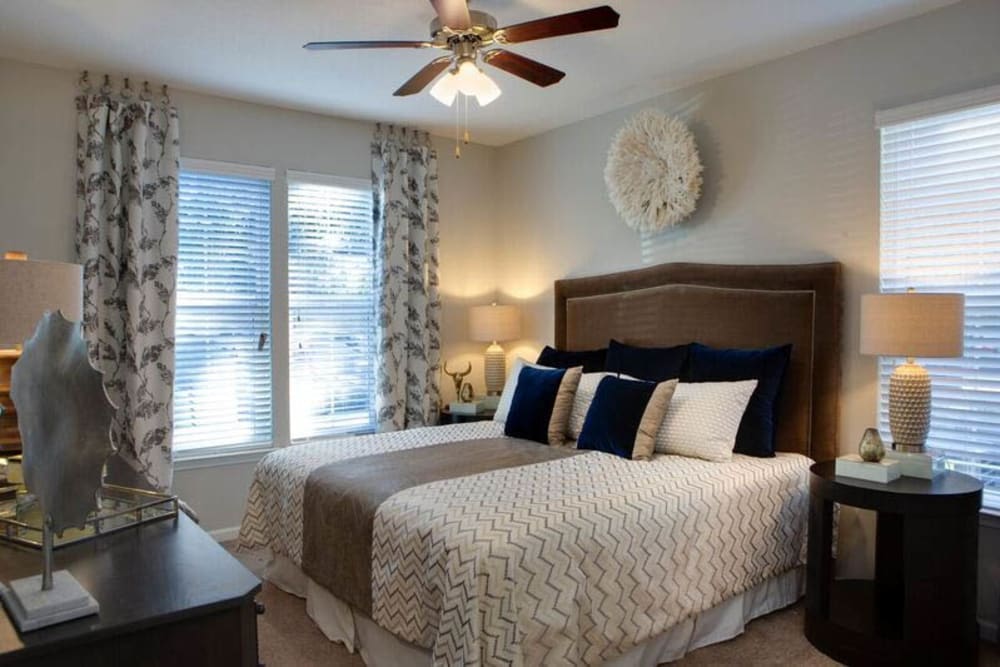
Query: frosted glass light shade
x,y
29,289
913,324
469,80
490,324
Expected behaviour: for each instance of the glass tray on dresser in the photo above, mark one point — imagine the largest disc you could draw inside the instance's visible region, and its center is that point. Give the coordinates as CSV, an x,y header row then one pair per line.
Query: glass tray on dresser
x,y
121,507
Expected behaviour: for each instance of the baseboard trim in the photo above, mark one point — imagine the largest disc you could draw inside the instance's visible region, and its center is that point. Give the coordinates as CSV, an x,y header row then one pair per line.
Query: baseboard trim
x,y
225,534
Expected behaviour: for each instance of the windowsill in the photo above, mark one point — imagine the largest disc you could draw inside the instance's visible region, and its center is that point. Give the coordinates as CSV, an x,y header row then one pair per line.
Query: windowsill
x,y
193,459
989,518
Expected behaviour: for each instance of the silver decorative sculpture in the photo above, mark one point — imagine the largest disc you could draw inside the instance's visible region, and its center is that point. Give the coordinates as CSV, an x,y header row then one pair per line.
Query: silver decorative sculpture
x,y
65,421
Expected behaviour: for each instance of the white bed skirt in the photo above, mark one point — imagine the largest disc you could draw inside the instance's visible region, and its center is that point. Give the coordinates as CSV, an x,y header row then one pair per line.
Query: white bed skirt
x,y
380,648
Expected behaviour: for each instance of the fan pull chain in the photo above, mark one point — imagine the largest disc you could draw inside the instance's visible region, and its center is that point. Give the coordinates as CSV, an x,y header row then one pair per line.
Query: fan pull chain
x,y
458,148
465,137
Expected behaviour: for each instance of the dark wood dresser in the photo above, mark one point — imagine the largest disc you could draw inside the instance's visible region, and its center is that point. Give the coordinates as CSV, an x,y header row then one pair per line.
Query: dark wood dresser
x,y
169,595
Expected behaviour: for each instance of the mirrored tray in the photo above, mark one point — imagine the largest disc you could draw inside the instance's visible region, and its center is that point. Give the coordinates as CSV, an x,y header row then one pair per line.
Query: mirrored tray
x,y
121,507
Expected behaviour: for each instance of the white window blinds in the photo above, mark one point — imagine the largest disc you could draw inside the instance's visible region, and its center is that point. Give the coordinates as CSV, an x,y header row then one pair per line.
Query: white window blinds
x,y
222,388
331,304
940,231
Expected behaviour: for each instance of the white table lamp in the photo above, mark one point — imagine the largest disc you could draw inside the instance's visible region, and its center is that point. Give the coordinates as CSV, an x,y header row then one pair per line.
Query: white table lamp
x,y
911,325
30,288
494,324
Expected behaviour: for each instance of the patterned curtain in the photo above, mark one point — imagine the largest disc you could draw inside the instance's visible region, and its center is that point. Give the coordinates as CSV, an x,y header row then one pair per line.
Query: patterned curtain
x,y
127,160
405,197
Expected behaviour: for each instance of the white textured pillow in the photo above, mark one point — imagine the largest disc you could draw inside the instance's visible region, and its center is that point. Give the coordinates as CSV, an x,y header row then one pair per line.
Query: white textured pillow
x,y
703,418
584,397
507,395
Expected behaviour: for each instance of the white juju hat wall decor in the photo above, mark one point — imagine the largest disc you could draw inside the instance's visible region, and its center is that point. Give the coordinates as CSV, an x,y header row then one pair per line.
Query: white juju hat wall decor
x,y
653,172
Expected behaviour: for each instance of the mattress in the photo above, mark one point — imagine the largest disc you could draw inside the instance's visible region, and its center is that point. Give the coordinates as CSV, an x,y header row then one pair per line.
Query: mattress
x,y
571,561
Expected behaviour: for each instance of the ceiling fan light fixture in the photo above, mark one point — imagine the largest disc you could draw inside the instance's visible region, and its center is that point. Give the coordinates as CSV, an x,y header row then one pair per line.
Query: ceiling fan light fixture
x,y
445,90
467,79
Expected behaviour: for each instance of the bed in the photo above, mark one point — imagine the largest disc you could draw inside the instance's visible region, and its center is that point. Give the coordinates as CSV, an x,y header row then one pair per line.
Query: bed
x,y
567,558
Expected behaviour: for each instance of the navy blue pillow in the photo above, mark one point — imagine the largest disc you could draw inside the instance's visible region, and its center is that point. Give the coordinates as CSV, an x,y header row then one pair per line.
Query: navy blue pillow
x,y
531,407
757,429
654,364
613,419
591,360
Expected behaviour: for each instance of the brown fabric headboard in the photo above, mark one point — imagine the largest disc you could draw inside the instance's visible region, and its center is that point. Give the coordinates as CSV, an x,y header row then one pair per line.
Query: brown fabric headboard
x,y
726,306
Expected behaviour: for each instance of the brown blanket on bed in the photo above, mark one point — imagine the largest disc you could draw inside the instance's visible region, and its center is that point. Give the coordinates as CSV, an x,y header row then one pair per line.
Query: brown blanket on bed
x,y
341,500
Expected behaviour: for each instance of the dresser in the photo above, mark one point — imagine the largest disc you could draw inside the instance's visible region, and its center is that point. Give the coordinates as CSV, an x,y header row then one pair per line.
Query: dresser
x,y
169,595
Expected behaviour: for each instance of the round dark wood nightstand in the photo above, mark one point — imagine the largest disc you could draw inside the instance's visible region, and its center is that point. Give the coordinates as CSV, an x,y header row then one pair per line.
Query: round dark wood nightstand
x,y
921,607
448,417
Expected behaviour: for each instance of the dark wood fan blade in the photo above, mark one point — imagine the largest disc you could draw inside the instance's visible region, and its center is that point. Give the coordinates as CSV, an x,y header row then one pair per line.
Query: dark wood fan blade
x,y
323,46
526,68
453,13
598,18
419,81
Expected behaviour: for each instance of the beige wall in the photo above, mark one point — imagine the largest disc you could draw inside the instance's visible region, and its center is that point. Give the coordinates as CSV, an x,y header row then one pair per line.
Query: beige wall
x,y
791,172
37,211
791,175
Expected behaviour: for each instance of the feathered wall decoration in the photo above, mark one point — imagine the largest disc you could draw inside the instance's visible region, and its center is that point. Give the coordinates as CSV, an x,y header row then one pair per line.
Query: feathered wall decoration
x,y
653,172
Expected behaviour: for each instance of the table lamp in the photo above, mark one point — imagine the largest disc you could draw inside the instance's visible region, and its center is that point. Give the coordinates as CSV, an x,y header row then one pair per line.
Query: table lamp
x,y
911,325
493,324
32,287
29,289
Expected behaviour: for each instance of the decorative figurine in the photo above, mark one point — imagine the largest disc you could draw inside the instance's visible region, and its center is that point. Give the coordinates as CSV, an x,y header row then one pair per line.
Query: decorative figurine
x,y
463,390
65,420
871,448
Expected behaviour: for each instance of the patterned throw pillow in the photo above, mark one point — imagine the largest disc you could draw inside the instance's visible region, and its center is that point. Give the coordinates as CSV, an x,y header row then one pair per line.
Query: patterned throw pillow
x,y
541,404
625,417
757,430
703,418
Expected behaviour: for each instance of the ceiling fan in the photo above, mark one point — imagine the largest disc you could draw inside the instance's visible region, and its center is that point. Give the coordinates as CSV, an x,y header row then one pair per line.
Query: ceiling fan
x,y
473,35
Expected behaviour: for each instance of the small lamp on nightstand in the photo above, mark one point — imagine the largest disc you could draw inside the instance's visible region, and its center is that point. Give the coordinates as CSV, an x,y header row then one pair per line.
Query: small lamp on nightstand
x,y
911,325
494,324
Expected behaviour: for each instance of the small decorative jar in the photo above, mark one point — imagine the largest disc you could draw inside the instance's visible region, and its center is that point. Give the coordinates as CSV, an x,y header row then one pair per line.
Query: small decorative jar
x,y
871,448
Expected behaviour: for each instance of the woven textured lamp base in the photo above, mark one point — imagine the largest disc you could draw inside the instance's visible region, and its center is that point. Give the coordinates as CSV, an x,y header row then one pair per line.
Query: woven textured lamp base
x,y
909,406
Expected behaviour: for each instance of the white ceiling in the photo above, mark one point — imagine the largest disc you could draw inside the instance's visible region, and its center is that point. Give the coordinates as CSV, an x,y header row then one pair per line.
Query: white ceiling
x,y
250,49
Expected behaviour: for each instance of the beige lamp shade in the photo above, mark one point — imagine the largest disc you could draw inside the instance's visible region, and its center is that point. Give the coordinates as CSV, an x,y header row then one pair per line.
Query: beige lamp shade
x,y
494,323
28,288
913,324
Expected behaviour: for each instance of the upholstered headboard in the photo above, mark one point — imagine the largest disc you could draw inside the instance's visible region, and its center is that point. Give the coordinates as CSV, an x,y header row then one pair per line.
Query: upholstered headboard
x,y
726,306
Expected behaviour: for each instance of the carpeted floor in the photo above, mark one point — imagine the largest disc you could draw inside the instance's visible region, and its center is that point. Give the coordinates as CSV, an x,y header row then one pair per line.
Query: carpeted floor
x,y
288,638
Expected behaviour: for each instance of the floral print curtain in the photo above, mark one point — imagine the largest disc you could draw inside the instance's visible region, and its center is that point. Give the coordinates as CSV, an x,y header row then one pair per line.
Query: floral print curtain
x,y
127,164
405,199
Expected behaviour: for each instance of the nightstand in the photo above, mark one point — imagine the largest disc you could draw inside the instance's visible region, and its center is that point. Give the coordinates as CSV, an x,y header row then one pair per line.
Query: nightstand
x,y
170,596
921,606
447,417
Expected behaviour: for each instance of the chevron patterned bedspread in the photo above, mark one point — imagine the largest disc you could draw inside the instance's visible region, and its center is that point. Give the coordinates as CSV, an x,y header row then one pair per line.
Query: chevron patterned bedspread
x,y
569,562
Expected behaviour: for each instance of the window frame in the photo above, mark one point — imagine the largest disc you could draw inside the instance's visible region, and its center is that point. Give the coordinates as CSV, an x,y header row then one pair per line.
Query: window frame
x,y
213,456
335,181
926,110
188,458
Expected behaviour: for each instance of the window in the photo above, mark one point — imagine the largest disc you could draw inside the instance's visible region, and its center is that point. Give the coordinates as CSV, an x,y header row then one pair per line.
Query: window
x,y
940,231
222,387
331,305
